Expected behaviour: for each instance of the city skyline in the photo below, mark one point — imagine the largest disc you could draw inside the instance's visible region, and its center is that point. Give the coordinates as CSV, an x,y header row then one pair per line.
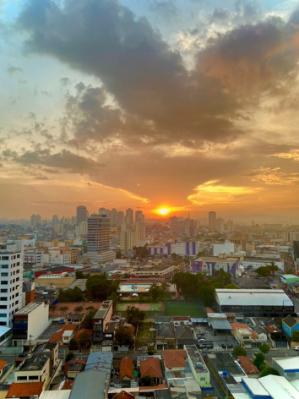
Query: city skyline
x,y
150,105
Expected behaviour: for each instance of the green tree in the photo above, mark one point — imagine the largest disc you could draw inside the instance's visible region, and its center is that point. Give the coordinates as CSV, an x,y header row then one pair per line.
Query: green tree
x,y
134,316
295,336
124,336
79,275
88,320
239,350
71,295
157,293
264,348
268,370
259,360
99,287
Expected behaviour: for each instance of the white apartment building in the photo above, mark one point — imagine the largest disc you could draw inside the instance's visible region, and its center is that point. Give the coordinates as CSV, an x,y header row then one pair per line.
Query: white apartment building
x,y
98,238
11,282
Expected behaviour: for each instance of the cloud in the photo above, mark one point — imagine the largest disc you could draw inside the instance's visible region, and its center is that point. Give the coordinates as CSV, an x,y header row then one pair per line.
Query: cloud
x,y
291,155
214,192
12,70
274,176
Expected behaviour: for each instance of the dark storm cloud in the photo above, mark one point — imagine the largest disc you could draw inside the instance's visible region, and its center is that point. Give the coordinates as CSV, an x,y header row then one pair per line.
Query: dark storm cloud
x,y
147,78
63,160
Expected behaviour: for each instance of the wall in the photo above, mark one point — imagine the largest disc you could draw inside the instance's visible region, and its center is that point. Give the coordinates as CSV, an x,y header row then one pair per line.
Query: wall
x,y
38,321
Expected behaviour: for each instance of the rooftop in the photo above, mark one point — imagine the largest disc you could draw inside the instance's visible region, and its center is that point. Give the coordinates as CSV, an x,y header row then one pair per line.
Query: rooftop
x,y
91,384
28,308
247,365
174,358
151,367
253,297
196,358
126,367
288,364
24,389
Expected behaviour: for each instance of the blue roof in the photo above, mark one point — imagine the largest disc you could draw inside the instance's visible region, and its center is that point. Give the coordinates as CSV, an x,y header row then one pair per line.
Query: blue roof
x,y
99,361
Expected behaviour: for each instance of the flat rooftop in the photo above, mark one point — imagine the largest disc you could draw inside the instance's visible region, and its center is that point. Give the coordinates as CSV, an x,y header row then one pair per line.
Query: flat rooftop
x,y
252,297
28,308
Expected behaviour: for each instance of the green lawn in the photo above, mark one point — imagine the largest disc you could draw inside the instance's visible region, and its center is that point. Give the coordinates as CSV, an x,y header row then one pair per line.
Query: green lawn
x,y
145,334
184,308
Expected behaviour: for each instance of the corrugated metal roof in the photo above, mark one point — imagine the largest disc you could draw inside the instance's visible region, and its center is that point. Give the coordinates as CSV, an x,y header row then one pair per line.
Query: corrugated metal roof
x,y
289,363
220,324
279,387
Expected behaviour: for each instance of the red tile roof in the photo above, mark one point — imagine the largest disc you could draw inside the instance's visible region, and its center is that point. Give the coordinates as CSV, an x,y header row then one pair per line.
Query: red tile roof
x,y
126,368
247,365
123,395
174,358
151,367
3,363
24,389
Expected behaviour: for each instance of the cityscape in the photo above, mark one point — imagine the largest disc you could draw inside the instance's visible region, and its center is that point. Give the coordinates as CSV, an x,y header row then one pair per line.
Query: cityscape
x,y
149,213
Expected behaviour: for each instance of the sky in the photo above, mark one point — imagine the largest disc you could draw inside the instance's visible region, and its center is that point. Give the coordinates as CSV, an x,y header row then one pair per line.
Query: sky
x,y
190,104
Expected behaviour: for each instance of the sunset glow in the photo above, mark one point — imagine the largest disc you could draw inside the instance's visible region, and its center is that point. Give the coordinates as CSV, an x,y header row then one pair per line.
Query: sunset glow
x,y
163,211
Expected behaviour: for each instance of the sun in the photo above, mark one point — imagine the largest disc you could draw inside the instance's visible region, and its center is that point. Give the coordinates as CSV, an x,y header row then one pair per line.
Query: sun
x,y
163,211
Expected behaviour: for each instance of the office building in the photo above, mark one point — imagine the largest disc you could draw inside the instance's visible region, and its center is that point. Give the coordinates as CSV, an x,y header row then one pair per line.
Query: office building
x,y
139,228
98,238
254,302
81,214
11,282
212,220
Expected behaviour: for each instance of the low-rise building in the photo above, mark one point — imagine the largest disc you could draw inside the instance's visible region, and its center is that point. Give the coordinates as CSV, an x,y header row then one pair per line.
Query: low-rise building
x,y
25,390
246,336
30,322
165,336
254,302
101,319
199,369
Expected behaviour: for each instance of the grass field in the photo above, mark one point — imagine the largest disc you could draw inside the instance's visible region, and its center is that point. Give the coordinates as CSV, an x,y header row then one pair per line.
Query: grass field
x,y
146,307
183,308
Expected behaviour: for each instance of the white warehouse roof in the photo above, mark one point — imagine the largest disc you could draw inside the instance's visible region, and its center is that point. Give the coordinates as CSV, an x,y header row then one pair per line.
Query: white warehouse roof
x,y
288,363
279,387
252,297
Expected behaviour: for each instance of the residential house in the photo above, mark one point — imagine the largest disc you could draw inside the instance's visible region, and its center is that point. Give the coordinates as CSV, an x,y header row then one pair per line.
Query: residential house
x,y
184,336
150,371
246,336
247,365
165,336
91,384
126,368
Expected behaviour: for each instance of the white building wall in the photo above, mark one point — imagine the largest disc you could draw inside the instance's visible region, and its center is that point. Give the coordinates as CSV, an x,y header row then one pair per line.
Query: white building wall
x,y
226,248
38,321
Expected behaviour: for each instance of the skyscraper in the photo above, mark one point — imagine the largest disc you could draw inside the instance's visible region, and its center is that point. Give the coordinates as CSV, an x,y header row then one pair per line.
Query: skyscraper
x,y
98,238
11,282
129,217
139,228
212,220
81,214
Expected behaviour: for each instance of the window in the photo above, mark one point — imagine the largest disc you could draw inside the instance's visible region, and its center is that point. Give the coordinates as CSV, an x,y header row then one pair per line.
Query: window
x,y
2,323
3,290
22,378
2,315
4,274
3,298
5,258
33,378
3,306
4,282
4,266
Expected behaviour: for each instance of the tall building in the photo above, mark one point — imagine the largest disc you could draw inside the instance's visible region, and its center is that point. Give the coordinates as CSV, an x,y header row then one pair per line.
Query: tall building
x,y
212,221
139,228
98,238
81,214
129,217
11,282
35,220
127,238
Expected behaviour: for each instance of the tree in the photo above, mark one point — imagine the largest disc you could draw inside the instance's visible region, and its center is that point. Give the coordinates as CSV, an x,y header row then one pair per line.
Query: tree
x,y
99,287
134,316
71,295
157,293
264,348
79,275
239,350
259,360
266,370
84,340
266,271
295,336
88,320
124,336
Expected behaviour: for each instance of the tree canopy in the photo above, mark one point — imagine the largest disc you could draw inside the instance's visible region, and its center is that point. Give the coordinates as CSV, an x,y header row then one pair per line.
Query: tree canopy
x,y
99,287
